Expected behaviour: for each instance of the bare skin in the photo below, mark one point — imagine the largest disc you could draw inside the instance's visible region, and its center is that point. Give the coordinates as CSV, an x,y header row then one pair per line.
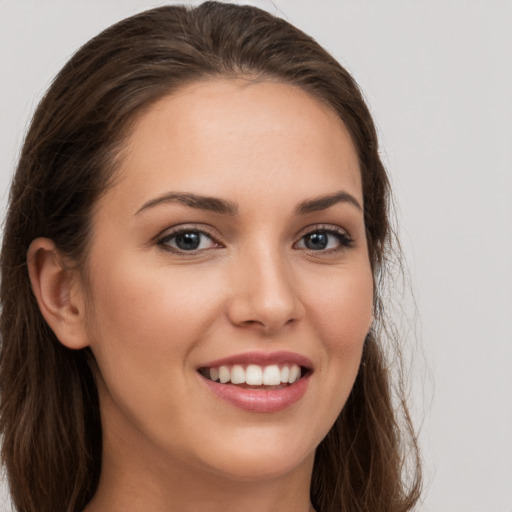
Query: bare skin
x,y
275,269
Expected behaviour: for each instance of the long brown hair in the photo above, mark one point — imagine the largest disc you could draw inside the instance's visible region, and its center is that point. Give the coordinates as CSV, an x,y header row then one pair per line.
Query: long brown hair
x,y
49,411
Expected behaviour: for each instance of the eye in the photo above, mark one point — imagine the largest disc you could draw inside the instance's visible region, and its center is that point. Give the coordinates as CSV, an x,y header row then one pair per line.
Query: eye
x,y
188,240
324,240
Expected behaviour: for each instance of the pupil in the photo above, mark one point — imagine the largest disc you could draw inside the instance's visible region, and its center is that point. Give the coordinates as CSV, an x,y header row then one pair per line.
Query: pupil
x,y
317,241
188,241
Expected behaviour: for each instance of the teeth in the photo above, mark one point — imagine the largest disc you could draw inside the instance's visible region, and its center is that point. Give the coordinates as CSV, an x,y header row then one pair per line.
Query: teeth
x,y
224,375
214,373
237,374
272,375
255,375
294,374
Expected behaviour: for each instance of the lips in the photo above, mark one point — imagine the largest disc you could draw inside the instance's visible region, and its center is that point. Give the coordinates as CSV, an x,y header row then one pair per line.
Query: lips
x,y
259,382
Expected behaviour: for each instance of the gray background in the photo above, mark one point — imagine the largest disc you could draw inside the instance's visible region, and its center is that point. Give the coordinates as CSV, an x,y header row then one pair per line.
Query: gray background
x,y
437,76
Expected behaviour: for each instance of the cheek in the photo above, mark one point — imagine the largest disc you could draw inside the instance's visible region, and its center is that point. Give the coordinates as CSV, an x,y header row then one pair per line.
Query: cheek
x,y
343,310
146,306
143,325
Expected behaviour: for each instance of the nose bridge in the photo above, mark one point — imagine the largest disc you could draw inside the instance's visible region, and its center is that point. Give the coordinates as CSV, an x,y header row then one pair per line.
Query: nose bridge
x,y
265,292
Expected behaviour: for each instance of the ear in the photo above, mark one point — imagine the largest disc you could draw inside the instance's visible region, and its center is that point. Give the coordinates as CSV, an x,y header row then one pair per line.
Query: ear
x,y
58,293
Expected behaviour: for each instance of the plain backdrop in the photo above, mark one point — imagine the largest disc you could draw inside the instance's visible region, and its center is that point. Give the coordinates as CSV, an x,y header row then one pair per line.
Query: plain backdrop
x,y
437,75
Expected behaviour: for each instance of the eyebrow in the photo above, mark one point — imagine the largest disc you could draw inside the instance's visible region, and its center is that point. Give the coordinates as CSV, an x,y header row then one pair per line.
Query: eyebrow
x,y
225,207
324,202
212,204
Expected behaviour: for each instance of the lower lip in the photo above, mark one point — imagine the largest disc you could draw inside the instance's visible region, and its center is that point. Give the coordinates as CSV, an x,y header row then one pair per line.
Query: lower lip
x,y
254,400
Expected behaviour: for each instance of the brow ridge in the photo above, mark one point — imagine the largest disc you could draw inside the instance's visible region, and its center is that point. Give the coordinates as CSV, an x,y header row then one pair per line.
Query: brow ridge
x,y
213,204
226,207
324,202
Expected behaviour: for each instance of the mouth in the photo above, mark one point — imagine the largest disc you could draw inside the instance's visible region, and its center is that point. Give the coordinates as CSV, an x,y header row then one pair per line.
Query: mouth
x,y
257,382
254,376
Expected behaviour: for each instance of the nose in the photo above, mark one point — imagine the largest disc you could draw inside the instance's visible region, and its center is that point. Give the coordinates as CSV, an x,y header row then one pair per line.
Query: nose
x,y
264,295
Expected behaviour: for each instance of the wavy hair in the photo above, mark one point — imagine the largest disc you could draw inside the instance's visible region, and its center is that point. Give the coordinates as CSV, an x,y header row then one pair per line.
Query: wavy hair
x,y
49,409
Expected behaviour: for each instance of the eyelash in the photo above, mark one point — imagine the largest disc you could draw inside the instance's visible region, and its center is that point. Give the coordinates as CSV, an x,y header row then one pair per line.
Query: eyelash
x,y
164,241
344,240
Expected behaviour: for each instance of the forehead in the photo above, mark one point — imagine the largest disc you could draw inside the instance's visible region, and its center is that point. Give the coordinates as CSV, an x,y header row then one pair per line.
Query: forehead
x,y
267,135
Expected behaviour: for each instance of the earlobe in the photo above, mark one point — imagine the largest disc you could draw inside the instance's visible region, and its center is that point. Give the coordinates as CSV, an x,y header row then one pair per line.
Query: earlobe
x,y
55,289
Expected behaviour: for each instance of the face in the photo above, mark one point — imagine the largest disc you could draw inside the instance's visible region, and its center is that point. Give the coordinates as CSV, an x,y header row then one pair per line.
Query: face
x,y
231,248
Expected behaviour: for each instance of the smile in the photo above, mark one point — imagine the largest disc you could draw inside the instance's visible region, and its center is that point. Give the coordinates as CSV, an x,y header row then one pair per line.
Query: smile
x,y
259,382
253,374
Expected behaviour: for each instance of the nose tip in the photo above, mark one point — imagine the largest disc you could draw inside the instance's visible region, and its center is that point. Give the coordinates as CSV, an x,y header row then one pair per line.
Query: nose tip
x,y
265,299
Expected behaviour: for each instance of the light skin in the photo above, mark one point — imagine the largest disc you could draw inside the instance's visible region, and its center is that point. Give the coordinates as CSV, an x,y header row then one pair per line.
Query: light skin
x,y
266,179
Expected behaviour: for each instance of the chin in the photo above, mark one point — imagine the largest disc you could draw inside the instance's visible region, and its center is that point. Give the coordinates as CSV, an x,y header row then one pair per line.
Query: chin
x,y
259,467
260,457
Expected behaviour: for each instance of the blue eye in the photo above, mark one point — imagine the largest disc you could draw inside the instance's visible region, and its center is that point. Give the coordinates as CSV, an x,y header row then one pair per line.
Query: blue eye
x,y
188,241
324,240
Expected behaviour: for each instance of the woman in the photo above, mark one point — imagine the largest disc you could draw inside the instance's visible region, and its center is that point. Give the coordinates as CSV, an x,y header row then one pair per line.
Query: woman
x,y
191,270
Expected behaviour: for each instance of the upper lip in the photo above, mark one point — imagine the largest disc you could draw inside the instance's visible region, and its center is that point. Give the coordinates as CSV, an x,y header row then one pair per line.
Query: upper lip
x,y
261,359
